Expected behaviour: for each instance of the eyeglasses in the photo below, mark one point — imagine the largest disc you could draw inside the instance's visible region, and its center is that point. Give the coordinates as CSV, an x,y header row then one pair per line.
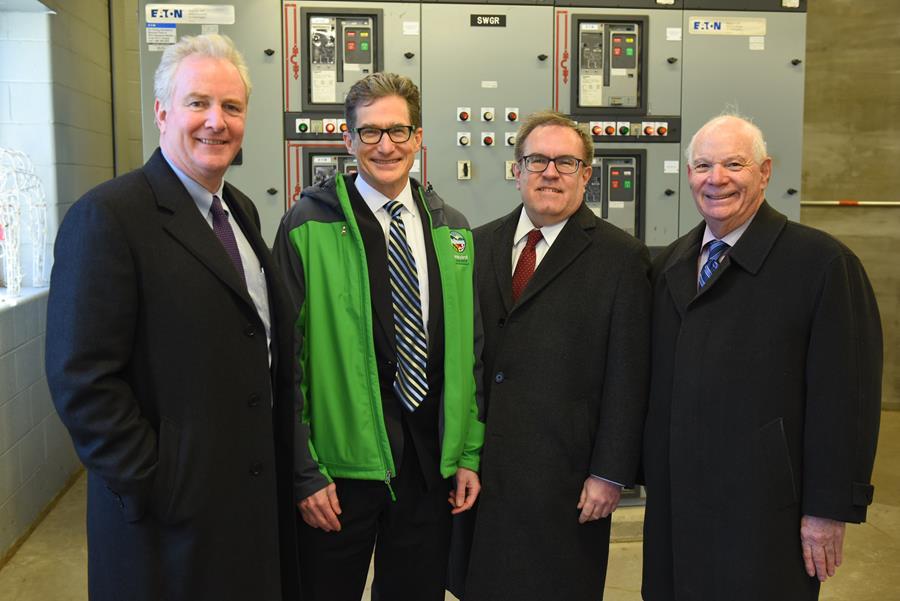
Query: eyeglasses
x,y
398,133
538,163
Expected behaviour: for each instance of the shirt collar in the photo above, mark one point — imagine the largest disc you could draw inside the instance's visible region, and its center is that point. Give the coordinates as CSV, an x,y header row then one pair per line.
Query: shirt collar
x,y
375,200
549,232
730,238
201,196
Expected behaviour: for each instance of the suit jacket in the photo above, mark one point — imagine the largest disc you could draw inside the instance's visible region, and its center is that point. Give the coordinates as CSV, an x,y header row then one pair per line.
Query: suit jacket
x,y
158,365
566,371
764,406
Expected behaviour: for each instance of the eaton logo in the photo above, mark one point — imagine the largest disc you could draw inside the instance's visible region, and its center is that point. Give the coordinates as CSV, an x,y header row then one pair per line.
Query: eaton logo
x,y
707,25
166,13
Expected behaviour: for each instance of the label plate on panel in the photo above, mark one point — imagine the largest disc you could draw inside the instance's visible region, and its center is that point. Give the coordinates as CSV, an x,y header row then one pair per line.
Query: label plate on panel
x,y
220,14
487,20
726,26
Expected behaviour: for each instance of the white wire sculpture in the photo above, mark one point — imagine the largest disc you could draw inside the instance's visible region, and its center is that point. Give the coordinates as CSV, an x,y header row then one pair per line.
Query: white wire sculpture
x,y
22,202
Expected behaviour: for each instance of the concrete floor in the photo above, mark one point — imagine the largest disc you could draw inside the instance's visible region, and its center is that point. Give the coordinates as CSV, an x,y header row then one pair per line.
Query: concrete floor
x,y
50,565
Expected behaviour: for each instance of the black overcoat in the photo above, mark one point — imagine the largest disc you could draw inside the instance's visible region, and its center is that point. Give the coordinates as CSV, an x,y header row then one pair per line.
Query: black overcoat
x,y
158,366
764,406
566,370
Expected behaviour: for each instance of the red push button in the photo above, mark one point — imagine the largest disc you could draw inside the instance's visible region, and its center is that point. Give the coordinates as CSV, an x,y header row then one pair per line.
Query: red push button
x,y
329,127
463,116
648,130
512,116
488,140
661,130
610,130
597,130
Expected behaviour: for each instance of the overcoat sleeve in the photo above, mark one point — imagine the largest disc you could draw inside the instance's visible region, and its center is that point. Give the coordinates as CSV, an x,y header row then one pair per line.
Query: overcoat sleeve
x,y
843,398
91,320
617,450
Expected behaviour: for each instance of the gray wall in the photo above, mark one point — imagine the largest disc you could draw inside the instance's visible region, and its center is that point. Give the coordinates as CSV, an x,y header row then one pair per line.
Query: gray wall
x,y
851,131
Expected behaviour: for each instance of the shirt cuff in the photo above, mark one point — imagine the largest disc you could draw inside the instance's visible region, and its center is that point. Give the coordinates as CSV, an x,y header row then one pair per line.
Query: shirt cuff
x,y
607,480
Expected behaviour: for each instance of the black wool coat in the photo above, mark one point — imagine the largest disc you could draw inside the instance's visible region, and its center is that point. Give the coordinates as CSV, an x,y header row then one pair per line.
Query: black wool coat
x,y
158,366
764,406
566,375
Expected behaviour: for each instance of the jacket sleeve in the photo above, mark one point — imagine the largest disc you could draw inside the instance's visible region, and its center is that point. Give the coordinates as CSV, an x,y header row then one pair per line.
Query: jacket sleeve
x,y
91,319
309,475
623,407
471,455
843,394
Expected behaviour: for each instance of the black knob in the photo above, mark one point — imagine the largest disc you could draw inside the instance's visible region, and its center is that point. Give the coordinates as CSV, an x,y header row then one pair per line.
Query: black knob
x,y
269,51
791,191
272,191
796,62
672,60
542,57
408,54
499,377
669,191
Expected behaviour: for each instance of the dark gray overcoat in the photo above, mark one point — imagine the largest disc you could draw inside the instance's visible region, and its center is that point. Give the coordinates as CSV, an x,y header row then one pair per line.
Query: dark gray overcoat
x,y
157,363
764,406
566,370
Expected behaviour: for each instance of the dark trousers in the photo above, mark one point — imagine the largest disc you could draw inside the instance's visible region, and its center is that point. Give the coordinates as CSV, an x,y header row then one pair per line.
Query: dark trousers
x,y
411,538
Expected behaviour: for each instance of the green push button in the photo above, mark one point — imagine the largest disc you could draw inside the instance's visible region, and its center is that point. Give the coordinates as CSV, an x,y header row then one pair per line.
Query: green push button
x,y
629,52
627,184
364,45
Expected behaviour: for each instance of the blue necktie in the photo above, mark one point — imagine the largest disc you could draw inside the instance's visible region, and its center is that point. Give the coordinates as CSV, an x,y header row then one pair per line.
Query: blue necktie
x,y
716,249
410,381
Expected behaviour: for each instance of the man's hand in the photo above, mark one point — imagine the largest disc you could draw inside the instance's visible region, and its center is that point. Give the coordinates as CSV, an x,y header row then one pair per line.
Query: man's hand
x,y
822,540
599,498
463,496
321,509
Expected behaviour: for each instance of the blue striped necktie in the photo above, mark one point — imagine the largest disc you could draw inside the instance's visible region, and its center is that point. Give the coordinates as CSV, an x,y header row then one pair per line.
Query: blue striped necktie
x,y
716,249
410,381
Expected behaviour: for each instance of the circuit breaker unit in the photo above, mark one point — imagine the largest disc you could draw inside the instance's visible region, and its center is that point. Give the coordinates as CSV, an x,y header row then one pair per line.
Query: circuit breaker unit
x,y
609,72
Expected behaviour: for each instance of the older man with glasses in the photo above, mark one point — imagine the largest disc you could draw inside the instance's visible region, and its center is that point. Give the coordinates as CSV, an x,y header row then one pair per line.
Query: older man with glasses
x,y
566,302
381,276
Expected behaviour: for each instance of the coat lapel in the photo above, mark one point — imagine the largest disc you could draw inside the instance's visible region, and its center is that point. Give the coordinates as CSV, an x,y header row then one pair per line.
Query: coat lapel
x,y
184,222
501,253
570,243
681,272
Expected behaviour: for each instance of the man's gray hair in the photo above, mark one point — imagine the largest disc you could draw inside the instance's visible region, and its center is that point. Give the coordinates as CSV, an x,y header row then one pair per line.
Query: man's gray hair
x,y
212,45
757,140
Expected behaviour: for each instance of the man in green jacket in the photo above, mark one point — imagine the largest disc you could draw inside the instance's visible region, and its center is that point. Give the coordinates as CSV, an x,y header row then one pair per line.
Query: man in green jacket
x,y
387,335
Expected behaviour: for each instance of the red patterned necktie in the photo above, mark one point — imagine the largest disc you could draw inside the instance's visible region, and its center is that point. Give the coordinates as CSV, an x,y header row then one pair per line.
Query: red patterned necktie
x,y
525,264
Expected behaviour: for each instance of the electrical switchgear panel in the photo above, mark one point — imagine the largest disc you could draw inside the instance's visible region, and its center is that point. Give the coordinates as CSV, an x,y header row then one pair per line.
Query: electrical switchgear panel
x,y
609,71
342,48
614,191
321,166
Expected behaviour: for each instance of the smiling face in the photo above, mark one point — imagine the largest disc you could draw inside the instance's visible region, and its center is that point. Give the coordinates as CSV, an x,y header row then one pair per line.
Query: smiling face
x,y
728,183
551,197
385,166
202,130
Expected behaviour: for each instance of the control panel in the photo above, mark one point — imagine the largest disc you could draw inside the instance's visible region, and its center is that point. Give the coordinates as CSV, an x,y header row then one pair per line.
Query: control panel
x,y
614,190
609,73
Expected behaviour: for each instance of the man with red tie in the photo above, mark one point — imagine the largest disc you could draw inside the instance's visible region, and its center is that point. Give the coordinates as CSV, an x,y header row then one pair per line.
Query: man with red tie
x,y
565,301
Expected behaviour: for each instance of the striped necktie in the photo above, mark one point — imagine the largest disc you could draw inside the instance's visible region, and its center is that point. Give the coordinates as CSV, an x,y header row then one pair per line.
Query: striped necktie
x,y
716,249
410,381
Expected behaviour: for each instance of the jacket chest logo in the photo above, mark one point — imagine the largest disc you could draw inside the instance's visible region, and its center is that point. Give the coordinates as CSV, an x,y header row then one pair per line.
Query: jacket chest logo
x,y
459,244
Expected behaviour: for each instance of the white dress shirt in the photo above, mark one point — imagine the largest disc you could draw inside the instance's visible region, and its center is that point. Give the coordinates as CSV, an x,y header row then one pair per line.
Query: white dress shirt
x,y
549,233
415,236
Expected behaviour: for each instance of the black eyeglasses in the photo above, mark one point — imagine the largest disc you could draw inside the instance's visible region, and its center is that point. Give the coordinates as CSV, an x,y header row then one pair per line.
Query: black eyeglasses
x,y
398,133
538,163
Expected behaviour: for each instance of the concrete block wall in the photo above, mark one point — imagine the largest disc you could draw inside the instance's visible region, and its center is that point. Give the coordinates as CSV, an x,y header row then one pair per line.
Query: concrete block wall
x,y
56,105
36,454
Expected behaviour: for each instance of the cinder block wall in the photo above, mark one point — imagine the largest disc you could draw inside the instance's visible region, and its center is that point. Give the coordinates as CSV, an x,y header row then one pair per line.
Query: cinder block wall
x,y
56,105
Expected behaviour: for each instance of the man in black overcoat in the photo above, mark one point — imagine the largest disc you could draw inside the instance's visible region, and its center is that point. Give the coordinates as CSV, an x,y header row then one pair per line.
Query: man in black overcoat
x,y
765,391
565,301
168,349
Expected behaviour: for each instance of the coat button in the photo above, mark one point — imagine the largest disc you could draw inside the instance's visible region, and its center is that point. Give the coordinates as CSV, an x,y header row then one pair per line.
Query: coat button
x,y
250,331
499,377
253,401
501,322
256,469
